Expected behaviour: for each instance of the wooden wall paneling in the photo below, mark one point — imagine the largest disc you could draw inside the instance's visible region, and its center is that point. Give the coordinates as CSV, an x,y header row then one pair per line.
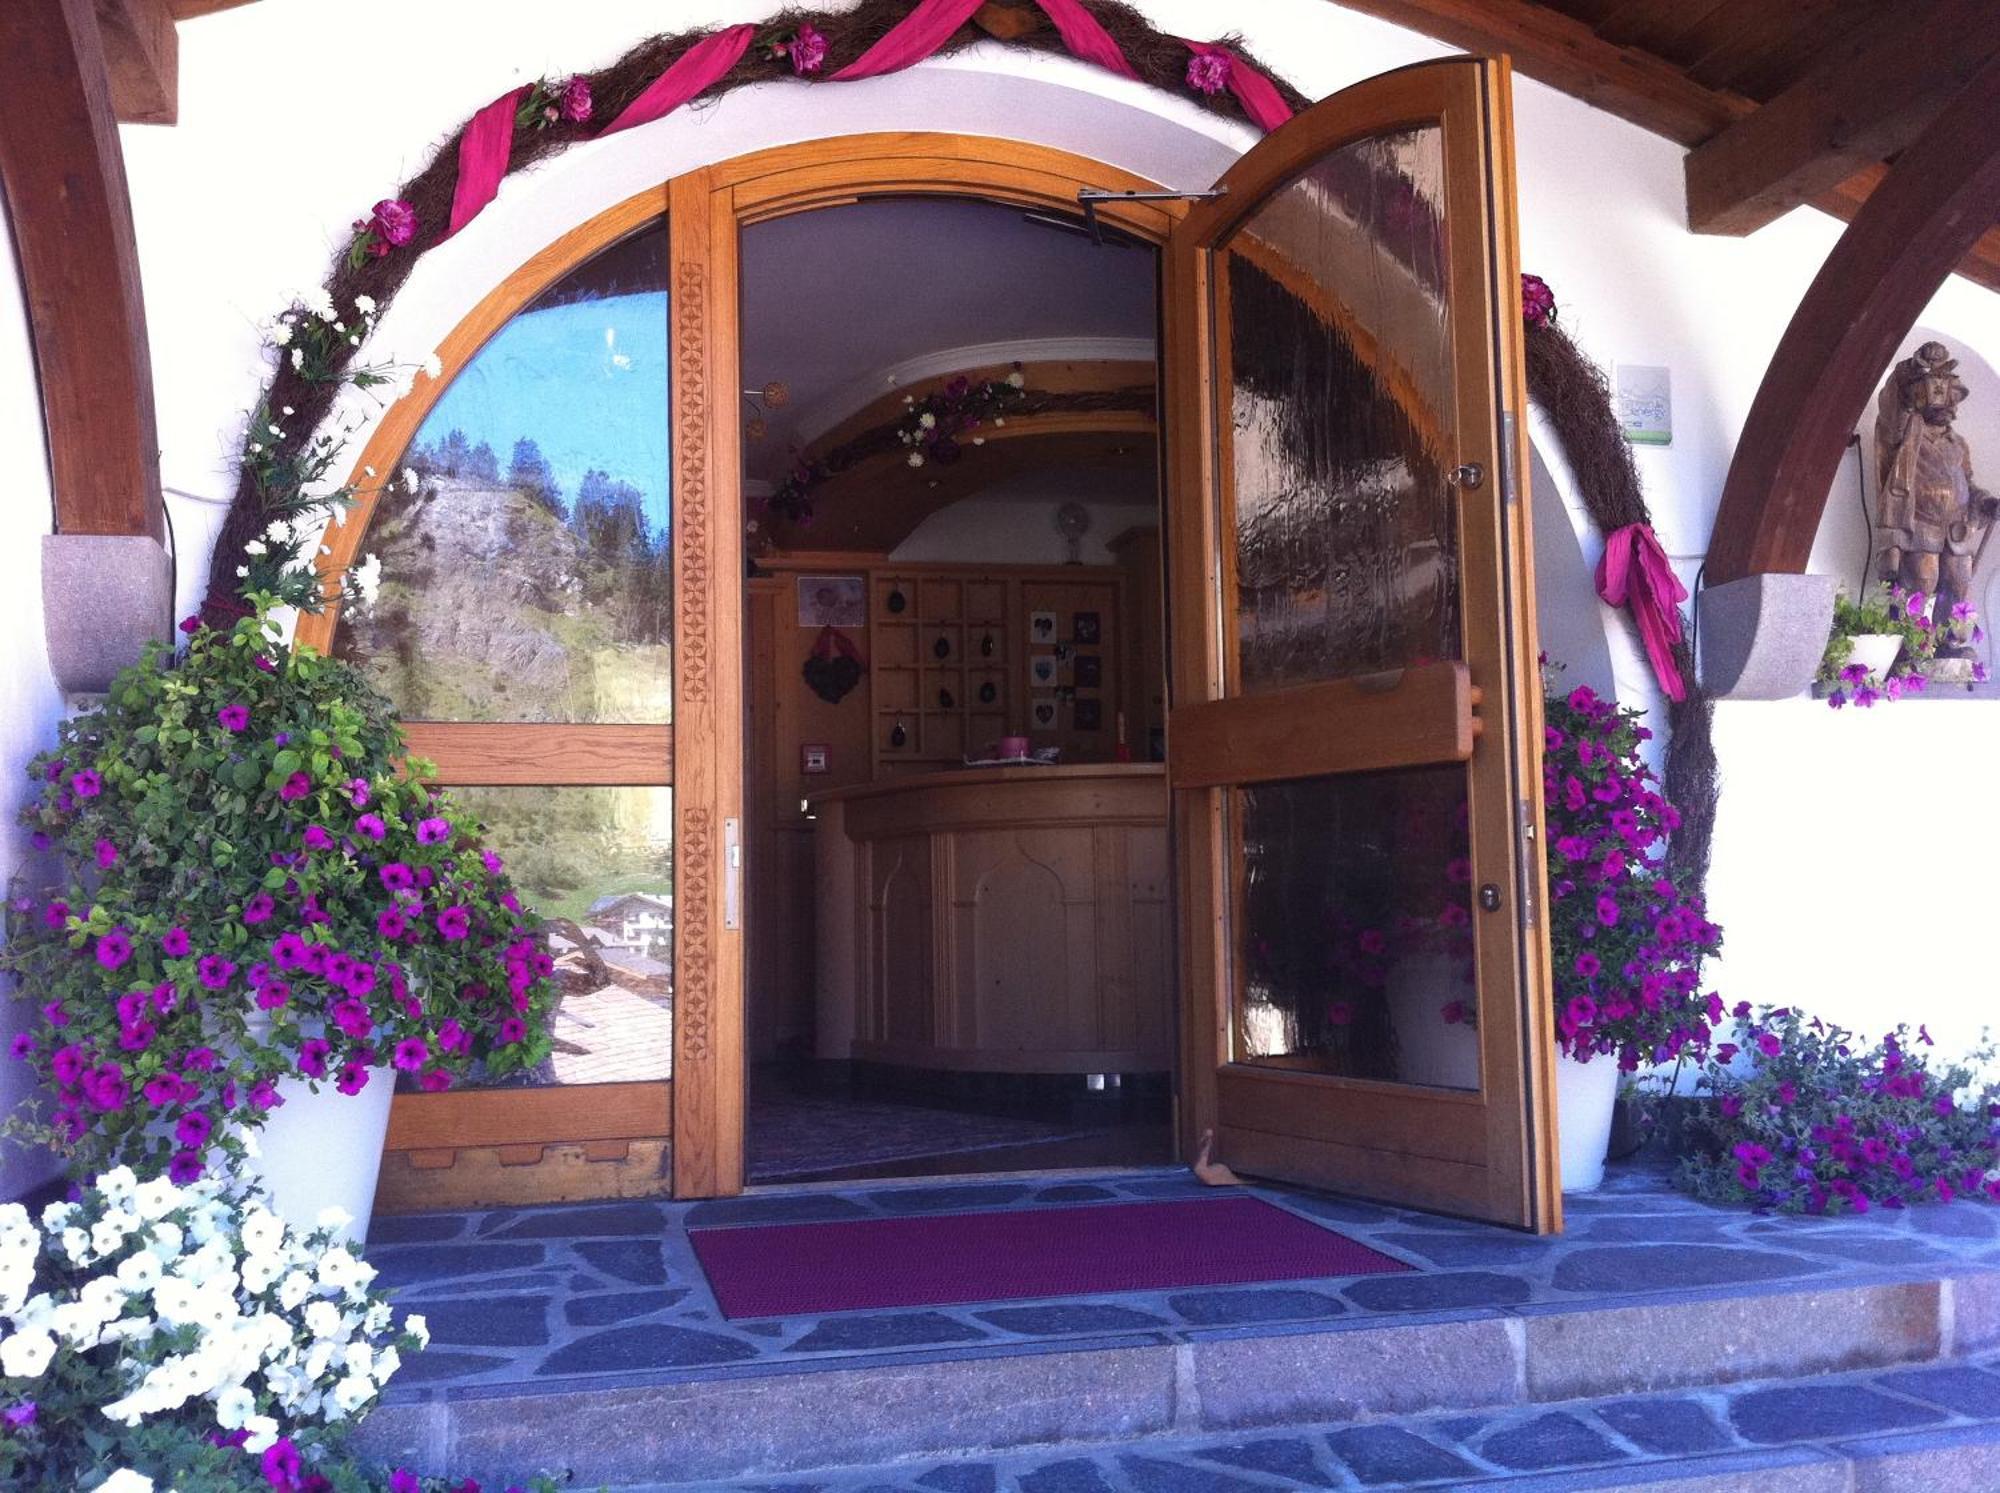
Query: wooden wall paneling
x,y
708,690
468,753
63,174
1928,212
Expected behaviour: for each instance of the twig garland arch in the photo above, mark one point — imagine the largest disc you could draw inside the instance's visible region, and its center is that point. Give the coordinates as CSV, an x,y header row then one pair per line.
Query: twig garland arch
x,y
1561,379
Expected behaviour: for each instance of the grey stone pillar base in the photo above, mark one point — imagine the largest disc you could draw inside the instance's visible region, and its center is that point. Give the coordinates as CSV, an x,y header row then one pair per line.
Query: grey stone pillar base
x,y
1762,637
104,597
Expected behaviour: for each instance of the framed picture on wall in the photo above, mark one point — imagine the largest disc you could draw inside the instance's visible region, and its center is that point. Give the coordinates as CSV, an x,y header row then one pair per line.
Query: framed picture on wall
x,y
1043,713
1089,671
1088,715
1086,628
1041,627
1042,671
833,601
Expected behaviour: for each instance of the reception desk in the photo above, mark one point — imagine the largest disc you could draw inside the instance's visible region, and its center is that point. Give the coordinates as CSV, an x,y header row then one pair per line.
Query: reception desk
x,y
1005,920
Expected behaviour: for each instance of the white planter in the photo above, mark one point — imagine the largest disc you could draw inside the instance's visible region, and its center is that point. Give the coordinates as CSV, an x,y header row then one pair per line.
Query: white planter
x,y
324,1150
1586,1095
1876,651
1429,1049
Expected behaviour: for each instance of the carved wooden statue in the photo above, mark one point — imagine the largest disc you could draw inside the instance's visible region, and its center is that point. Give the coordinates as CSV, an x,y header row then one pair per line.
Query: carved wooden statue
x,y
1934,519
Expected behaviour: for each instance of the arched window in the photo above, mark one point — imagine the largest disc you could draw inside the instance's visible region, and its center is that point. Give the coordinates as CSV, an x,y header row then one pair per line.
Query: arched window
x,y
524,630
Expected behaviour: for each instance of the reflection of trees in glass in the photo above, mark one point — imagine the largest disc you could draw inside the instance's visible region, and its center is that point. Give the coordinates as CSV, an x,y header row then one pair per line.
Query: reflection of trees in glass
x,y
568,847
528,474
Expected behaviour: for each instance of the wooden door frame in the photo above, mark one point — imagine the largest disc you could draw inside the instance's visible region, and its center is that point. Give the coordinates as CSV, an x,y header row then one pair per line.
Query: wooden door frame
x,y
705,210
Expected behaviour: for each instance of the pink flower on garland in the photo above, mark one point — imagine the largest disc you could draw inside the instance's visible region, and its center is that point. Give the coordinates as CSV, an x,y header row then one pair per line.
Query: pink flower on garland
x,y
575,101
391,223
233,717
1538,302
807,49
1208,71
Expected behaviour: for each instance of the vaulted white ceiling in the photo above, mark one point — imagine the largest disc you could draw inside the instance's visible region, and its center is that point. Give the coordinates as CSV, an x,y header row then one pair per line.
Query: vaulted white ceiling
x,y
845,303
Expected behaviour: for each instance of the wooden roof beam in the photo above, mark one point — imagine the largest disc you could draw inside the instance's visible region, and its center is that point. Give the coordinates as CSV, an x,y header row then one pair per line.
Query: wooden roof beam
x,y
1862,101
141,59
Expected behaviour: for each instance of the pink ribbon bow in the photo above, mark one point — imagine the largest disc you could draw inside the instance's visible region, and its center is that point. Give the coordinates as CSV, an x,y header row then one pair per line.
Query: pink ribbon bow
x,y
1634,573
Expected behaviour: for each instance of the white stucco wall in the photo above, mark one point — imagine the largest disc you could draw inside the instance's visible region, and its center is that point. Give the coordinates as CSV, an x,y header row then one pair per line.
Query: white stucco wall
x,y
29,703
246,199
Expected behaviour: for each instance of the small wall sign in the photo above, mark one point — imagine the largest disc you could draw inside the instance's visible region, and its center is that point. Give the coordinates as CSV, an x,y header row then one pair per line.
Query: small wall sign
x,y
815,757
1644,399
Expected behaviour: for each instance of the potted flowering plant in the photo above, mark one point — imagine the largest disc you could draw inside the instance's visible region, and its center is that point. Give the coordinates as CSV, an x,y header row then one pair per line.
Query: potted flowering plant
x,y
163,1336
1887,645
1626,944
1824,1122
260,909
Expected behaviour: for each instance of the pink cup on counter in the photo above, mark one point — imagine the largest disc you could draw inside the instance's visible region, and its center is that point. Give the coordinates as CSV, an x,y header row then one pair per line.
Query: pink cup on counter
x,y
1013,746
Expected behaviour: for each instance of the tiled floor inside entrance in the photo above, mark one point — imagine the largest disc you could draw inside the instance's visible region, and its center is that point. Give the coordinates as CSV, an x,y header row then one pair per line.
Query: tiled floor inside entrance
x,y
610,1293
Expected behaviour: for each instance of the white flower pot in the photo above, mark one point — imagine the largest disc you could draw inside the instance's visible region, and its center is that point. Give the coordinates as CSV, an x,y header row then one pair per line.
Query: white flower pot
x,y
324,1150
1586,1095
1429,1049
1875,651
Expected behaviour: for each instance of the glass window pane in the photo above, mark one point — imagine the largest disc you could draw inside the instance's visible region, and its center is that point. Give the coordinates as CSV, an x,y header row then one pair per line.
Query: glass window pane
x,y
1341,413
529,577
1355,943
598,864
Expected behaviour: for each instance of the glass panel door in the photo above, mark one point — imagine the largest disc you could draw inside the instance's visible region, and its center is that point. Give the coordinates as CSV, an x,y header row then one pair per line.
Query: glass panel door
x,y
1353,734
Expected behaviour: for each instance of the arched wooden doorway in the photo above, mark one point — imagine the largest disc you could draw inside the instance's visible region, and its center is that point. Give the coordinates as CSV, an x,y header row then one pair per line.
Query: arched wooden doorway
x,y
1378,223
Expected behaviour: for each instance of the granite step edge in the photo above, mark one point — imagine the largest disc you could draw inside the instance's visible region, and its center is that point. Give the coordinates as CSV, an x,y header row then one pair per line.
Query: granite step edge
x,y
998,1402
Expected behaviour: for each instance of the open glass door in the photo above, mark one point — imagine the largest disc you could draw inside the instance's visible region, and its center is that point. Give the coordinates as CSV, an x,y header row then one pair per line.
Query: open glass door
x,y
1355,728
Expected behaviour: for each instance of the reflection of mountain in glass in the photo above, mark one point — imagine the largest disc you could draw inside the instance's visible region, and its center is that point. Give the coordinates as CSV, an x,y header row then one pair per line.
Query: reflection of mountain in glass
x,y
529,578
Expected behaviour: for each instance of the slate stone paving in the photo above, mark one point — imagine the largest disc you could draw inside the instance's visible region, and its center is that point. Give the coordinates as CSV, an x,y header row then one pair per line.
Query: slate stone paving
x,y
1752,1426
541,1295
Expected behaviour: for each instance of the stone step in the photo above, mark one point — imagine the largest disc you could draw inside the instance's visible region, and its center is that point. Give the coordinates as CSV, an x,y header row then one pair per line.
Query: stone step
x,y
1935,1427
1486,1371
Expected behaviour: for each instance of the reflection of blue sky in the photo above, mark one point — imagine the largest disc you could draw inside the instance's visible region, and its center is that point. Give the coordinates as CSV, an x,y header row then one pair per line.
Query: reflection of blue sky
x,y
587,382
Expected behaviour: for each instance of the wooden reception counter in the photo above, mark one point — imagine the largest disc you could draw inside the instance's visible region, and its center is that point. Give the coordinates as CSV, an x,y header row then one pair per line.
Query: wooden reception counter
x,y
1006,919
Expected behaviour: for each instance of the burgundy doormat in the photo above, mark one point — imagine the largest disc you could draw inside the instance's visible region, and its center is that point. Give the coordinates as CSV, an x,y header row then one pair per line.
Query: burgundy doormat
x,y
802,1269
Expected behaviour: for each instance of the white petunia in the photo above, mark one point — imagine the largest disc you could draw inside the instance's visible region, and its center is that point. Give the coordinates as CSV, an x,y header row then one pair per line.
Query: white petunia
x,y
125,1480
26,1354
234,1406
351,1393
418,1328
263,1230
263,1433
140,1272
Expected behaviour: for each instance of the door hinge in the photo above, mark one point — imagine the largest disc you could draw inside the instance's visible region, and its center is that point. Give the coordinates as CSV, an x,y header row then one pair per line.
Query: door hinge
x,y
1531,850
732,873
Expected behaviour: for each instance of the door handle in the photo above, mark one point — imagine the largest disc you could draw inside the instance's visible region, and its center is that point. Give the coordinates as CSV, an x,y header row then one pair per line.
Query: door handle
x,y
732,873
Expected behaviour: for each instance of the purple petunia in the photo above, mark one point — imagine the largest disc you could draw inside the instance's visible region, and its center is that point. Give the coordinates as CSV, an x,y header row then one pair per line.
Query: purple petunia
x,y
411,1054
372,826
107,855
233,717
288,951
174,943
433,831
353,1078
312,1056
297,786
513,1030
258,909
397,877
317,838
391,924
86,784
114,949
216,972
193,1129
454,923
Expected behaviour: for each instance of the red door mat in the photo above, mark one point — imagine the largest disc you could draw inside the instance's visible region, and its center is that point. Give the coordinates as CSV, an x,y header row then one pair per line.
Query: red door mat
x,y
784,1270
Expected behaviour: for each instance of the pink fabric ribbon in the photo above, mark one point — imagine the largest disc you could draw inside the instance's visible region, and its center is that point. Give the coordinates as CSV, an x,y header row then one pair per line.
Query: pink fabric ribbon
x,y
1257,94
700,66
482,158
1086,39
1634,572
910,40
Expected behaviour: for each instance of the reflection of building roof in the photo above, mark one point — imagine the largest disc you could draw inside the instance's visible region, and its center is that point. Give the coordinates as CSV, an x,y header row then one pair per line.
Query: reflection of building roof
x,y
645,901
637,965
